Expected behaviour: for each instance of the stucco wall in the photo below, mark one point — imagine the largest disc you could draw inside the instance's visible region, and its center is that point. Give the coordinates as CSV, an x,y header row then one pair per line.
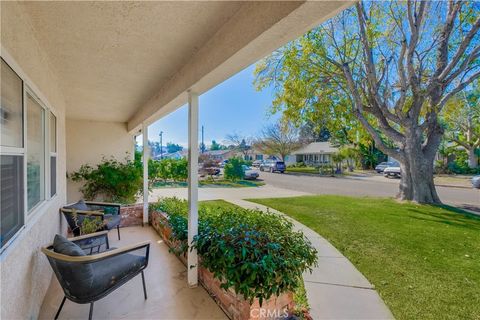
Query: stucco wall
x,y
25,272
89,141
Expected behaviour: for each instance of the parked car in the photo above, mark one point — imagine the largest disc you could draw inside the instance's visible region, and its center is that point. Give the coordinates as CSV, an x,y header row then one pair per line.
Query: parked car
x,y
249,173
476,182
256,163
223,163
381,166
272,166
393,171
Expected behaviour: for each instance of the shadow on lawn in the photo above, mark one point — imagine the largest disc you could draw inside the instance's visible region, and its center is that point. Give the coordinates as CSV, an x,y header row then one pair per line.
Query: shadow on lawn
x,y
453,217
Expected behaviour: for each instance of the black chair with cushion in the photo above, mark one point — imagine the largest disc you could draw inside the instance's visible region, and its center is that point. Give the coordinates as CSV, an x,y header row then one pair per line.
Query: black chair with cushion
x,y
107,213
85,277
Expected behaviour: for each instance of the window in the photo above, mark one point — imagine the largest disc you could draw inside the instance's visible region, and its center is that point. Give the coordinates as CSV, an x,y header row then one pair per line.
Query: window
x,y
28,153
12,154
53,155
35,152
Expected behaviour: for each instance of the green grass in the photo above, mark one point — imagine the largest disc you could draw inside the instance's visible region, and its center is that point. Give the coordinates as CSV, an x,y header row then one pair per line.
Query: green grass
x,y
302,170
423,260
221,183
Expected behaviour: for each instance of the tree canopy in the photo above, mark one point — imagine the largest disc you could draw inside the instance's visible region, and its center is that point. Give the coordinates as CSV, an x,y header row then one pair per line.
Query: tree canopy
x,y
382,69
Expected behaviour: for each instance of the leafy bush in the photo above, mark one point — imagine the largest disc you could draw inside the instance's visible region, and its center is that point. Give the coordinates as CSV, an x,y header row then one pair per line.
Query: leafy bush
x,y
171,169
233,170
256,253
112,180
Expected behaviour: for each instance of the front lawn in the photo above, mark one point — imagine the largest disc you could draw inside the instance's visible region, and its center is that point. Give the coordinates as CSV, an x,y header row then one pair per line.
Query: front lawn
x,y
302,170
423,260
208,183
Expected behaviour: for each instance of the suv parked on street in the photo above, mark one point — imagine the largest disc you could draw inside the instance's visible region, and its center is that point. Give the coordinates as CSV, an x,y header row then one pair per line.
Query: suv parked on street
x,y
273,165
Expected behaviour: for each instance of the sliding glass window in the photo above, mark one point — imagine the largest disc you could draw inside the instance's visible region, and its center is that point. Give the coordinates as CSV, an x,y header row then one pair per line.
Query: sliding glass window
x,y
35,152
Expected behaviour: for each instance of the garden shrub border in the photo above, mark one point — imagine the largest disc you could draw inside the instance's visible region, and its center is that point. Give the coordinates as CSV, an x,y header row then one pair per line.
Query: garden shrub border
x,y
234,305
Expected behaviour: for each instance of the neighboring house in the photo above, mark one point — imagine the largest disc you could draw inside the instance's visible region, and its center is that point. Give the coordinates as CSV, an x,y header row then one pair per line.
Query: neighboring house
x,y
220,155
174,155
254,154
315,153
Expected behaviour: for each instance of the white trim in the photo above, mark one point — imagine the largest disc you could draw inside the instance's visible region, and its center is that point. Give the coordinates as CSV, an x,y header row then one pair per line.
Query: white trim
x,y
46,161
145,172
192,257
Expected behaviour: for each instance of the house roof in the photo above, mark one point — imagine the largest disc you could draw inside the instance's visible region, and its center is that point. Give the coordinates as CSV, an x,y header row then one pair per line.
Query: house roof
x,y
217,152
317,148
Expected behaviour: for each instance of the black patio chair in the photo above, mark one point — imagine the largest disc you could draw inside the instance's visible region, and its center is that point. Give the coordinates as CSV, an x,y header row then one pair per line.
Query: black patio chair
x,y
86,278
108,213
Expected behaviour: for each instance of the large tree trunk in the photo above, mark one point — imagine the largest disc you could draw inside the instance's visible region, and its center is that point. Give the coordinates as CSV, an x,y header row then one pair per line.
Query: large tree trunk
x,y
472,158
417,175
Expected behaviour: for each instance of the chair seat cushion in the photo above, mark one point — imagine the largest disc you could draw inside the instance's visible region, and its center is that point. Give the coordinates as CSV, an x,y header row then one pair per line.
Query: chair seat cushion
x,y
111,221
110,272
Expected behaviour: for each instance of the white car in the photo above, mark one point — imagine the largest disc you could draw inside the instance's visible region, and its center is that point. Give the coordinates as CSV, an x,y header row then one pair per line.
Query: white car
x,y
476,182
249,173
392,172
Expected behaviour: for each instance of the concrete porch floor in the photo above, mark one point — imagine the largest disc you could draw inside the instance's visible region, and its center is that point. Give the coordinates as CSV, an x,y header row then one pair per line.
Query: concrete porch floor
x,y
168,294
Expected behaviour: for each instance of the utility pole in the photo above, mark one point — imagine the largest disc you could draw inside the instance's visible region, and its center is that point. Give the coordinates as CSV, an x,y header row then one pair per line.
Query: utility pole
x,y
161,147
203,142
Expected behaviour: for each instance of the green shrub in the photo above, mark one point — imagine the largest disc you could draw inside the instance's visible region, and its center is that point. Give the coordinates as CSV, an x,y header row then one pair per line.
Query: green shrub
x,y
112,180
256,253
233,170
171,169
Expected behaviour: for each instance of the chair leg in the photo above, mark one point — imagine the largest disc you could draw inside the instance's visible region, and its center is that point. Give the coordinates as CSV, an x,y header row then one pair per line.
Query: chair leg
x,y
144,287
91,311
118,231
60,308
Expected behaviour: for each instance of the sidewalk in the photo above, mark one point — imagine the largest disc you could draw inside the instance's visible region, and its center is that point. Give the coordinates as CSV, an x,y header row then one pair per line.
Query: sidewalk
x,y
335,289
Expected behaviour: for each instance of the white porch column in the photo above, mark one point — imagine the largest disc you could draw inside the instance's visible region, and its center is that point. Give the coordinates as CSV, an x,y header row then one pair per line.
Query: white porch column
x,y
192,260
146,155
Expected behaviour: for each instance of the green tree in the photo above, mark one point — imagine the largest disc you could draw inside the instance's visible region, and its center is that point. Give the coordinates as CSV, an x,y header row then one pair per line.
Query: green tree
x,y
388,66
462,117
233,170
217,146
173,147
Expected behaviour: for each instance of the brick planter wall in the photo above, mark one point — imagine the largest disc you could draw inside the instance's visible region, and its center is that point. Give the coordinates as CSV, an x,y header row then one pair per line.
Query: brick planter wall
x,y
235,306
132,215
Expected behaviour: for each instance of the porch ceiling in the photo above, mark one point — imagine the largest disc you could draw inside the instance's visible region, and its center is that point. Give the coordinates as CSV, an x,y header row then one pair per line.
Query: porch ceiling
x,y
133,61
111,56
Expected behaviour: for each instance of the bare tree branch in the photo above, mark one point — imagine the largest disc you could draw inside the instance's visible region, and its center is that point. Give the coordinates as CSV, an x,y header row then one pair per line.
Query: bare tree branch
x,y
460,51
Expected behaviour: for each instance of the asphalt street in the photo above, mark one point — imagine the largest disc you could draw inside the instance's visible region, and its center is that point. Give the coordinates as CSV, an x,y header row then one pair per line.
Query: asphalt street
x,y
376,186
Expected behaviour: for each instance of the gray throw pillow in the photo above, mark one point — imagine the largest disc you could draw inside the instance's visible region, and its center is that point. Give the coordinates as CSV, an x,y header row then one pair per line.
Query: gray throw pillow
x,y
80,205
79,276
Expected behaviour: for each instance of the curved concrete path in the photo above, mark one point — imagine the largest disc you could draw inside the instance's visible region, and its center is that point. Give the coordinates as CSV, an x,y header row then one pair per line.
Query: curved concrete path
x,y
335,289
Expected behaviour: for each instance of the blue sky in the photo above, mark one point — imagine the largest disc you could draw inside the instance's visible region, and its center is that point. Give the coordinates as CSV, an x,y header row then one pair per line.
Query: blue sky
x,y
233,106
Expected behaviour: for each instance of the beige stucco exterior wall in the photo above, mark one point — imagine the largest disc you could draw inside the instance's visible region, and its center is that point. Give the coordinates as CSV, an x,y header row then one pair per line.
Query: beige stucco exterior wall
x,y
25,272
89,141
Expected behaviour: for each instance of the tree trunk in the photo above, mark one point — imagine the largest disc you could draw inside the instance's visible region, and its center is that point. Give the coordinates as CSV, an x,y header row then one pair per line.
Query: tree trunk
x,y
417,176
472,158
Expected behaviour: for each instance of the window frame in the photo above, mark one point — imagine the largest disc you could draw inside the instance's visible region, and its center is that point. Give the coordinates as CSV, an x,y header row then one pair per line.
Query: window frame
x,y
46,170
51,154
17,151
28,88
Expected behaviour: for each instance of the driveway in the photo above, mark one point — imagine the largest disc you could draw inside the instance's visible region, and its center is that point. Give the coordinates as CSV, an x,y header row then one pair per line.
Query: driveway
x,y
375,186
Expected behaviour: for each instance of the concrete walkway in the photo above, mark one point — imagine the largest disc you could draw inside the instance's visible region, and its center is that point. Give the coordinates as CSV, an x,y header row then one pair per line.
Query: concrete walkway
x,y
335,289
